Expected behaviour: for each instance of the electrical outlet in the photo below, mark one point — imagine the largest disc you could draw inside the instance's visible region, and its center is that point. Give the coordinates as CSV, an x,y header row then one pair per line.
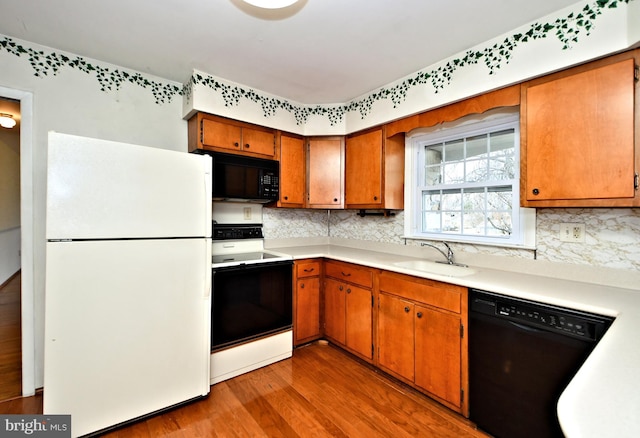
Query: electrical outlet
x,y
571,232
247,213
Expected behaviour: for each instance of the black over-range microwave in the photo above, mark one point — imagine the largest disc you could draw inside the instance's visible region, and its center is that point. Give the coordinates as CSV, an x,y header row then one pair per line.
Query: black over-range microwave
x,y
241,178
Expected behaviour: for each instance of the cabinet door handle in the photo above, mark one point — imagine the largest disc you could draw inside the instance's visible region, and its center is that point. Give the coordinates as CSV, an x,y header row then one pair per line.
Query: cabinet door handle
x,y
348,290
246,145
302,286
286,198
406,309
340,288
335,199
419,314
236,144
375,198
535,191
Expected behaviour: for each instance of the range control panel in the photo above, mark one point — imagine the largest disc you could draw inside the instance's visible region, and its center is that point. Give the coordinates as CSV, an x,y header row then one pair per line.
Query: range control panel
x,y
226,232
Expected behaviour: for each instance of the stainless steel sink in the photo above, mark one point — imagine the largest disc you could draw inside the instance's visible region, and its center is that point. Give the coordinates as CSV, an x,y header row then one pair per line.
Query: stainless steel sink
x,y
436,268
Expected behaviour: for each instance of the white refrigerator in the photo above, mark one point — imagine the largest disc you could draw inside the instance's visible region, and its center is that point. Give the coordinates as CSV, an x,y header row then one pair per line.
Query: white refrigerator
x,y
128,280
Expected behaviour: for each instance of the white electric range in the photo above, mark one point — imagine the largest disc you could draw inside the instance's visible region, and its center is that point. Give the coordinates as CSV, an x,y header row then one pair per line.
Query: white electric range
x,y
252,296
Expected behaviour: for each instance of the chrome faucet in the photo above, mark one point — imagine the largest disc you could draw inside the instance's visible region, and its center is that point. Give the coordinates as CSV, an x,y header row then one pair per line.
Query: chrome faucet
x,y
448,255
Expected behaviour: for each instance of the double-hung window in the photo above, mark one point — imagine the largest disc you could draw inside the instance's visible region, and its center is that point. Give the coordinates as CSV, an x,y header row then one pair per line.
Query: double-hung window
x,y
465,182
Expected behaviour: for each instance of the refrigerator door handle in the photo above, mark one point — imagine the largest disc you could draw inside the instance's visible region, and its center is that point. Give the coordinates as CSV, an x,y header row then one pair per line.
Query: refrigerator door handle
x,y
208,187
208,270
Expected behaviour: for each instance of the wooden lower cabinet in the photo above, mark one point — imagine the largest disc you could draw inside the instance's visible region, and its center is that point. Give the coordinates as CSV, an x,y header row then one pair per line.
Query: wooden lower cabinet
x,y
422,343
396,335
409,327
438,354
306,317
348,308
348,316
335,311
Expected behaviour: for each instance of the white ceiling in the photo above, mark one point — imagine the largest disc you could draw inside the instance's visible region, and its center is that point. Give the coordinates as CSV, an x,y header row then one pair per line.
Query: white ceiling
x,y
318,51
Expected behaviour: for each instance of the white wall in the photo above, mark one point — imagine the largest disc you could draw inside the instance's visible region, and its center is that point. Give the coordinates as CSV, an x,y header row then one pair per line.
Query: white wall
x,y
71,102
614,29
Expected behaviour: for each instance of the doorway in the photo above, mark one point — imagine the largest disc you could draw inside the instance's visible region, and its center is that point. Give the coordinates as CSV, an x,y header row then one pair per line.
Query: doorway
x,y
10,339
24,277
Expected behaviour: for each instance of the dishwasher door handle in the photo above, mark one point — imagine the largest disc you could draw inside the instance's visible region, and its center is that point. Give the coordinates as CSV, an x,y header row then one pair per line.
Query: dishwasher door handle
x,y
525,327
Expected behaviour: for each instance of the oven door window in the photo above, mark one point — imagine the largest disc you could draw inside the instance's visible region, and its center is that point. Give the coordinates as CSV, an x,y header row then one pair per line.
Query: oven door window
x,y
250,301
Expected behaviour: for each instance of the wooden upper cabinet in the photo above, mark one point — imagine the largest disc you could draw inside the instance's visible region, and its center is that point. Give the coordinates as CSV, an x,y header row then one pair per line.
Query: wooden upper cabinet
x,y
221,135
577,136
231,136
292,171
258,141
374,171
325,179
363,174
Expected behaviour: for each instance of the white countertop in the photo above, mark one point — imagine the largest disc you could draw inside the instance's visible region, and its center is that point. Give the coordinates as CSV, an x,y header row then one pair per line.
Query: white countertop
x,y
603,399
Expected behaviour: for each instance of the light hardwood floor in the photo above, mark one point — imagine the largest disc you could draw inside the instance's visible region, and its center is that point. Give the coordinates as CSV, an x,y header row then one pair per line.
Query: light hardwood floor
x,y
320,392
10,344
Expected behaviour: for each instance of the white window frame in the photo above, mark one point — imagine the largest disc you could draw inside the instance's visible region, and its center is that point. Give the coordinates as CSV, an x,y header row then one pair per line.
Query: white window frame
x,y
523,219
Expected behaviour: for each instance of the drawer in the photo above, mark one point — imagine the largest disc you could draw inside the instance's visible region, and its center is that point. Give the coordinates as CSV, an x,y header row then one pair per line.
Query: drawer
x,y
308,268
434,293
350,273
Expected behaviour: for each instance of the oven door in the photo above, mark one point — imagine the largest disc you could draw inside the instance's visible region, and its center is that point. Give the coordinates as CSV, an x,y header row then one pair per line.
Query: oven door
x,y
250,301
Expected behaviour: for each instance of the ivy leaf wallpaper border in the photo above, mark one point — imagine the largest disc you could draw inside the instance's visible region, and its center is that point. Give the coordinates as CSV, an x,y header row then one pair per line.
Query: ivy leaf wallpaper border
x,y
566,30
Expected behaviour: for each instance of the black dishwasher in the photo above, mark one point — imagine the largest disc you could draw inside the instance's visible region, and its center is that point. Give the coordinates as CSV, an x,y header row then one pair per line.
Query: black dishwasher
x,y
522,355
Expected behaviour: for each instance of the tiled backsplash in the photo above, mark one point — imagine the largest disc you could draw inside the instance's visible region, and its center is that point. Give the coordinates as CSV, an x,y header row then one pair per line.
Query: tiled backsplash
x,y
612,235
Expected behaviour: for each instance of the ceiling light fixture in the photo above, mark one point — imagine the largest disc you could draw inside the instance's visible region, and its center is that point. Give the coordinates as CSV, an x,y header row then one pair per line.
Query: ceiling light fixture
x,y
271,4
7,121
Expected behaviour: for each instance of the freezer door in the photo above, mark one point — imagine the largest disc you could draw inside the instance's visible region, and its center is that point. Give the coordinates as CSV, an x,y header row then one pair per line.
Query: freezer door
x,y
127,328
98,189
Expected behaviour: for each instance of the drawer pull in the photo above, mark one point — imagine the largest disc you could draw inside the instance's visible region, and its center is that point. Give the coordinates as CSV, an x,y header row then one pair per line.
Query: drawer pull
x,y
406,309
349,290
309,270
419,314
346,274
340,288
